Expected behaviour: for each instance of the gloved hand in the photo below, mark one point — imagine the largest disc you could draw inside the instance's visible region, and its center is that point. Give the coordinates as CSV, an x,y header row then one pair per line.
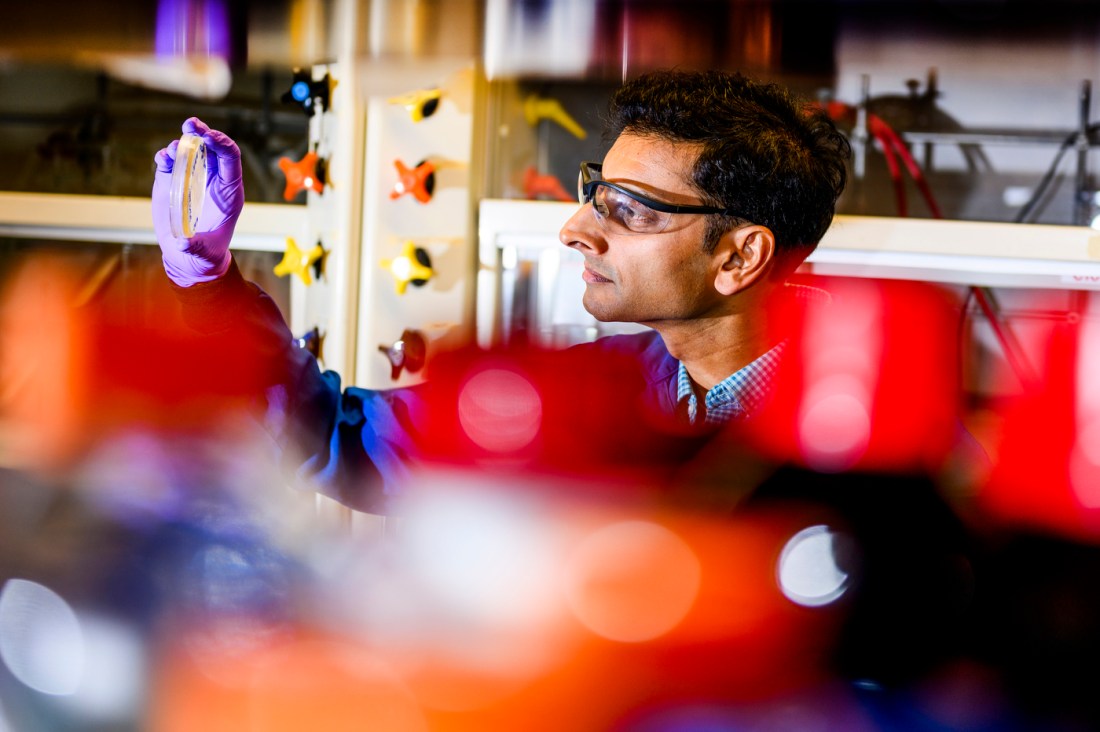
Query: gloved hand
x,y
205,256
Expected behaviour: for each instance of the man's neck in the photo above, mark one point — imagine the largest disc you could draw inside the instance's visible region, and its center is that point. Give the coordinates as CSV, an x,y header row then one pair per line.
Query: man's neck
x,y
713,348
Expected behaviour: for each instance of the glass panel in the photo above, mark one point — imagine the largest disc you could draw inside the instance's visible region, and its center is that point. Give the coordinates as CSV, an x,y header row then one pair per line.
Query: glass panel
x,y
130,277
66,130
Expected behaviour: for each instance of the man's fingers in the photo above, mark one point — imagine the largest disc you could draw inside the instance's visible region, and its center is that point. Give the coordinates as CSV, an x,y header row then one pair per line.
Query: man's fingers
x,y
227,153
195,126
225,160
166,157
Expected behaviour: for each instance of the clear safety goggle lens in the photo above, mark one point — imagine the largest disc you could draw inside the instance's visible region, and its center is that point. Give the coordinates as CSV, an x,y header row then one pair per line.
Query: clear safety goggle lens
x,y
620,213
617,210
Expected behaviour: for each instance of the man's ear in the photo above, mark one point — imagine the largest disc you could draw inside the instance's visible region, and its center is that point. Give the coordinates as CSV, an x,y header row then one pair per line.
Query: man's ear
x,y
745,256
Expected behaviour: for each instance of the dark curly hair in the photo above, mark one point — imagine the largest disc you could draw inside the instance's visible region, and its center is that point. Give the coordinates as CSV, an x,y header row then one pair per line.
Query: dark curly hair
x,y
774,159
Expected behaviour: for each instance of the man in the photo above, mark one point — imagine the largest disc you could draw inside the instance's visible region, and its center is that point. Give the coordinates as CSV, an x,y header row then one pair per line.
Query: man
x,y
715,189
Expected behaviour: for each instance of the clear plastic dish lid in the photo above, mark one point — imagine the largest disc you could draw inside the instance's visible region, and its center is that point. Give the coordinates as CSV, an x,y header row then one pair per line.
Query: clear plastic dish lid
x,y
188,187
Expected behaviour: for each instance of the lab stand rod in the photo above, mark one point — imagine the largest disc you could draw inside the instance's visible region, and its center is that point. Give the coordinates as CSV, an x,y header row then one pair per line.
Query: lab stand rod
x,y
1014,354
1082,195
860,135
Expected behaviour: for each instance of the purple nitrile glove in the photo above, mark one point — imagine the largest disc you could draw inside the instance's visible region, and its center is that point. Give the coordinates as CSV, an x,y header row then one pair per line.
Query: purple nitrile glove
x,y
205,256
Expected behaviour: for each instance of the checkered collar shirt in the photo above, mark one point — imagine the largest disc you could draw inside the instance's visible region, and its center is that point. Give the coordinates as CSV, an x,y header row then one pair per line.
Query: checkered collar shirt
x,y
737,396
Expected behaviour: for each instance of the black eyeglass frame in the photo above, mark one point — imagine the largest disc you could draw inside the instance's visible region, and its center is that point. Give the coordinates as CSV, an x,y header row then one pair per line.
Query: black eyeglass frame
x,y
588,186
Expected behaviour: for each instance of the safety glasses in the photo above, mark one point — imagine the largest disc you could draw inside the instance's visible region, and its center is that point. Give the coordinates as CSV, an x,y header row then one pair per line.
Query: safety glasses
x,y
622,211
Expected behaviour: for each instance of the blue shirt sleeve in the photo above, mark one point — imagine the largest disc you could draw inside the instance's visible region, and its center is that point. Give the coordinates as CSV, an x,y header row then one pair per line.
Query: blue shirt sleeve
x,y
360,448
354,445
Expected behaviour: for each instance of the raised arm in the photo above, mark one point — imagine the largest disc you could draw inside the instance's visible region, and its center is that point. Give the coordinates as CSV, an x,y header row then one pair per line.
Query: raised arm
x,y
204,256
348,443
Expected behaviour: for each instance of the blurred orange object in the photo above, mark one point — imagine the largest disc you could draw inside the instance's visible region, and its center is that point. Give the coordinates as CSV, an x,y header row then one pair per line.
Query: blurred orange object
x,y
537,184
737,641
45,379
74,368
292,684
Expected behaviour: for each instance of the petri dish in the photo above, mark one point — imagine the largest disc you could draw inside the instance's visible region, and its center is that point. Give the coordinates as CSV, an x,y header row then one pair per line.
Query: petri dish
x,y
188,187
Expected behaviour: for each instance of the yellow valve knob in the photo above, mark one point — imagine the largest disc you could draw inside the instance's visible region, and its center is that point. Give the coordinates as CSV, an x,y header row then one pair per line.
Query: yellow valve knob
x,y
412,266
420,104
295,261
536,108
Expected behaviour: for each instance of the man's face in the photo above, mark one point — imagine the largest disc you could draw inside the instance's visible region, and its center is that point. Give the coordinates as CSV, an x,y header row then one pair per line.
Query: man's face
x,y
646,278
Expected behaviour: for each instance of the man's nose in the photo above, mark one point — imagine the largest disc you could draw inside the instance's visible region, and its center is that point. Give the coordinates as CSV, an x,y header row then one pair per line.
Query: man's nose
x,y
582,232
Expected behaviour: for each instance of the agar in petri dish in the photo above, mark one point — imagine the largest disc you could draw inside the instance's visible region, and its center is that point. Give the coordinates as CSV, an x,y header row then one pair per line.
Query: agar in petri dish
x,y
188,187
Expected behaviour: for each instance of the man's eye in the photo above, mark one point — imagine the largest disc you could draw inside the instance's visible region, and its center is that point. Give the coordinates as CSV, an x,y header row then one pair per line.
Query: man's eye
x,y
633,214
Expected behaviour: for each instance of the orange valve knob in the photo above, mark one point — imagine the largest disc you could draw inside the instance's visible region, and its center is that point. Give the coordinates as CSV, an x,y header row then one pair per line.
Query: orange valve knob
x,y
419,182
537,184
307,173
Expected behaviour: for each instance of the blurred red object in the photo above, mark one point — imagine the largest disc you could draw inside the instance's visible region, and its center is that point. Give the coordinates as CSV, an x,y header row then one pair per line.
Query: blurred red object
x,y
1046,472
74,368
568,412
869,380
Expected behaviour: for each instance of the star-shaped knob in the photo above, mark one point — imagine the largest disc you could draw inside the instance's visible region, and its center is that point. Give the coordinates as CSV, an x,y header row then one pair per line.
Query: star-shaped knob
x,y
308,94
419,182
420,104
307,173
412,267
295,261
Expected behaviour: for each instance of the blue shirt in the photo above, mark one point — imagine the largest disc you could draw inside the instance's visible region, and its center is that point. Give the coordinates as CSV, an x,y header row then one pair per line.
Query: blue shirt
x,y
737,396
